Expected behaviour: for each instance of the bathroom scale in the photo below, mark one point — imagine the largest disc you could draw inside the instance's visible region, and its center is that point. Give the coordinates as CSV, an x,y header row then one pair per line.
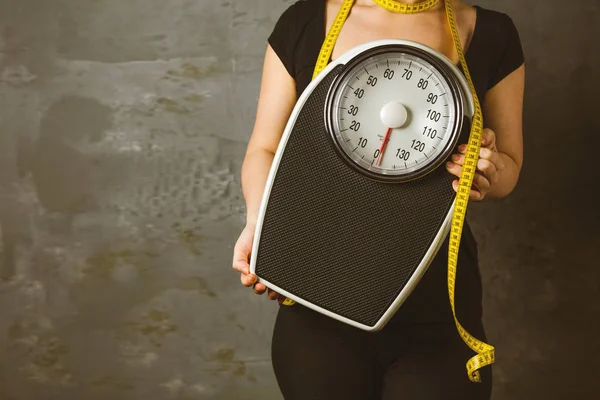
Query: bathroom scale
x,y
358,200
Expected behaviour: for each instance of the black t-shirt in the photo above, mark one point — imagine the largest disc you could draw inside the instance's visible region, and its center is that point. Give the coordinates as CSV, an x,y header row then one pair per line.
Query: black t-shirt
x,y
493,53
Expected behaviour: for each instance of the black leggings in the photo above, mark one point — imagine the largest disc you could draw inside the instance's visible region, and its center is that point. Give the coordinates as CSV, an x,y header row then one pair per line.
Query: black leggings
x,y
318,358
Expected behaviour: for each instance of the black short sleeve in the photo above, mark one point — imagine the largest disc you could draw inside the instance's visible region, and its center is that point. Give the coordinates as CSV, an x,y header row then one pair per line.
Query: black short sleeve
x,y
511,54
286,33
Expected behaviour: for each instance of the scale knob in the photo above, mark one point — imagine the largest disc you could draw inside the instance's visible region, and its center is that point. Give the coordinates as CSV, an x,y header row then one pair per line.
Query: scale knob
x,y
393,115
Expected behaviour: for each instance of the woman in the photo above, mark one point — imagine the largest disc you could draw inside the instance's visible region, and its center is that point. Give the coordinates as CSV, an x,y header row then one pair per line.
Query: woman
x,y
418,355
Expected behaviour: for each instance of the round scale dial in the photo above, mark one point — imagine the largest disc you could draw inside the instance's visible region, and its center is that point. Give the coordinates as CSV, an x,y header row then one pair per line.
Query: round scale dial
x,y
394,114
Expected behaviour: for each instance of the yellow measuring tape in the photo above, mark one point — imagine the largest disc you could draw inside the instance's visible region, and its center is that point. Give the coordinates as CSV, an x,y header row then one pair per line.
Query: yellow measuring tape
x,y
485,352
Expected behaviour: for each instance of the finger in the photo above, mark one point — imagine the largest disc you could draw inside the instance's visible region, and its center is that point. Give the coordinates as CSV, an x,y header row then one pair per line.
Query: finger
x,y
273,295
488,138
492,156
482,184
453,168
458,159
474,194
259,288
242,267
487,154
248,279
488,170
240,260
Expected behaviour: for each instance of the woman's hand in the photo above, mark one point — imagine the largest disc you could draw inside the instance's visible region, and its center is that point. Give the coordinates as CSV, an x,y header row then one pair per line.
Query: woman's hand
x,y
489,166
241,258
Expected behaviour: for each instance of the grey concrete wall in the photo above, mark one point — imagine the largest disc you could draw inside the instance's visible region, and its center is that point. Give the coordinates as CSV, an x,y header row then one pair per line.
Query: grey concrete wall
x,y
123,124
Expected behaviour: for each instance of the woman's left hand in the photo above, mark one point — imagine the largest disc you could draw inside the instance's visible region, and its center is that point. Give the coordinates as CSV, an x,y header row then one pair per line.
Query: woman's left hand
x,y
489,166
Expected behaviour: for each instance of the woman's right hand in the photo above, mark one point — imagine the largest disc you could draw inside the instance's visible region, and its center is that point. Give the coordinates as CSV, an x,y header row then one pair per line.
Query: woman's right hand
x,y
241,263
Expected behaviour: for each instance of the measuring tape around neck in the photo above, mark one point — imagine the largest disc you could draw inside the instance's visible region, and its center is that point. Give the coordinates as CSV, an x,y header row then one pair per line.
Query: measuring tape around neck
x,y
485,352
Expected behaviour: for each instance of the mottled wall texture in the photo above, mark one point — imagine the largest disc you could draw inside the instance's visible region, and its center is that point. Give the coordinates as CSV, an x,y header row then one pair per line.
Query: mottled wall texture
x,y
123,124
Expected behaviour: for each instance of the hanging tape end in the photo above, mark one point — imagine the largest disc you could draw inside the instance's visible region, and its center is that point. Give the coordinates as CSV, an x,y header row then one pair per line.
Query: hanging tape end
x,y
288,302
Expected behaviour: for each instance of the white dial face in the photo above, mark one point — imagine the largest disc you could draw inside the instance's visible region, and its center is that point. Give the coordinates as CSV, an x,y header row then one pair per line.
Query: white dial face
x,y
394,114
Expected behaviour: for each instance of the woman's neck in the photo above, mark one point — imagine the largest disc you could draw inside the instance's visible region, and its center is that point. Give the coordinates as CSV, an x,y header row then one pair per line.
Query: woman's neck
x,y
372,3
399,1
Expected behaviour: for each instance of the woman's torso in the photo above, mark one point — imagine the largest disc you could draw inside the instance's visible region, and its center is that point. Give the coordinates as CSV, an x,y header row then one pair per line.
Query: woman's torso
x,y
297,39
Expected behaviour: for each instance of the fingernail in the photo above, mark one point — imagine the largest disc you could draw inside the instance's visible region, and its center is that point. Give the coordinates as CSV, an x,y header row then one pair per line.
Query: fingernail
x,y
455,157
462,147
449,164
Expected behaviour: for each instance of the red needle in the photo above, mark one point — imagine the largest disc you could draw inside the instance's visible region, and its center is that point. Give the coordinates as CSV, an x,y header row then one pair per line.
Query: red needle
x,y
383,146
